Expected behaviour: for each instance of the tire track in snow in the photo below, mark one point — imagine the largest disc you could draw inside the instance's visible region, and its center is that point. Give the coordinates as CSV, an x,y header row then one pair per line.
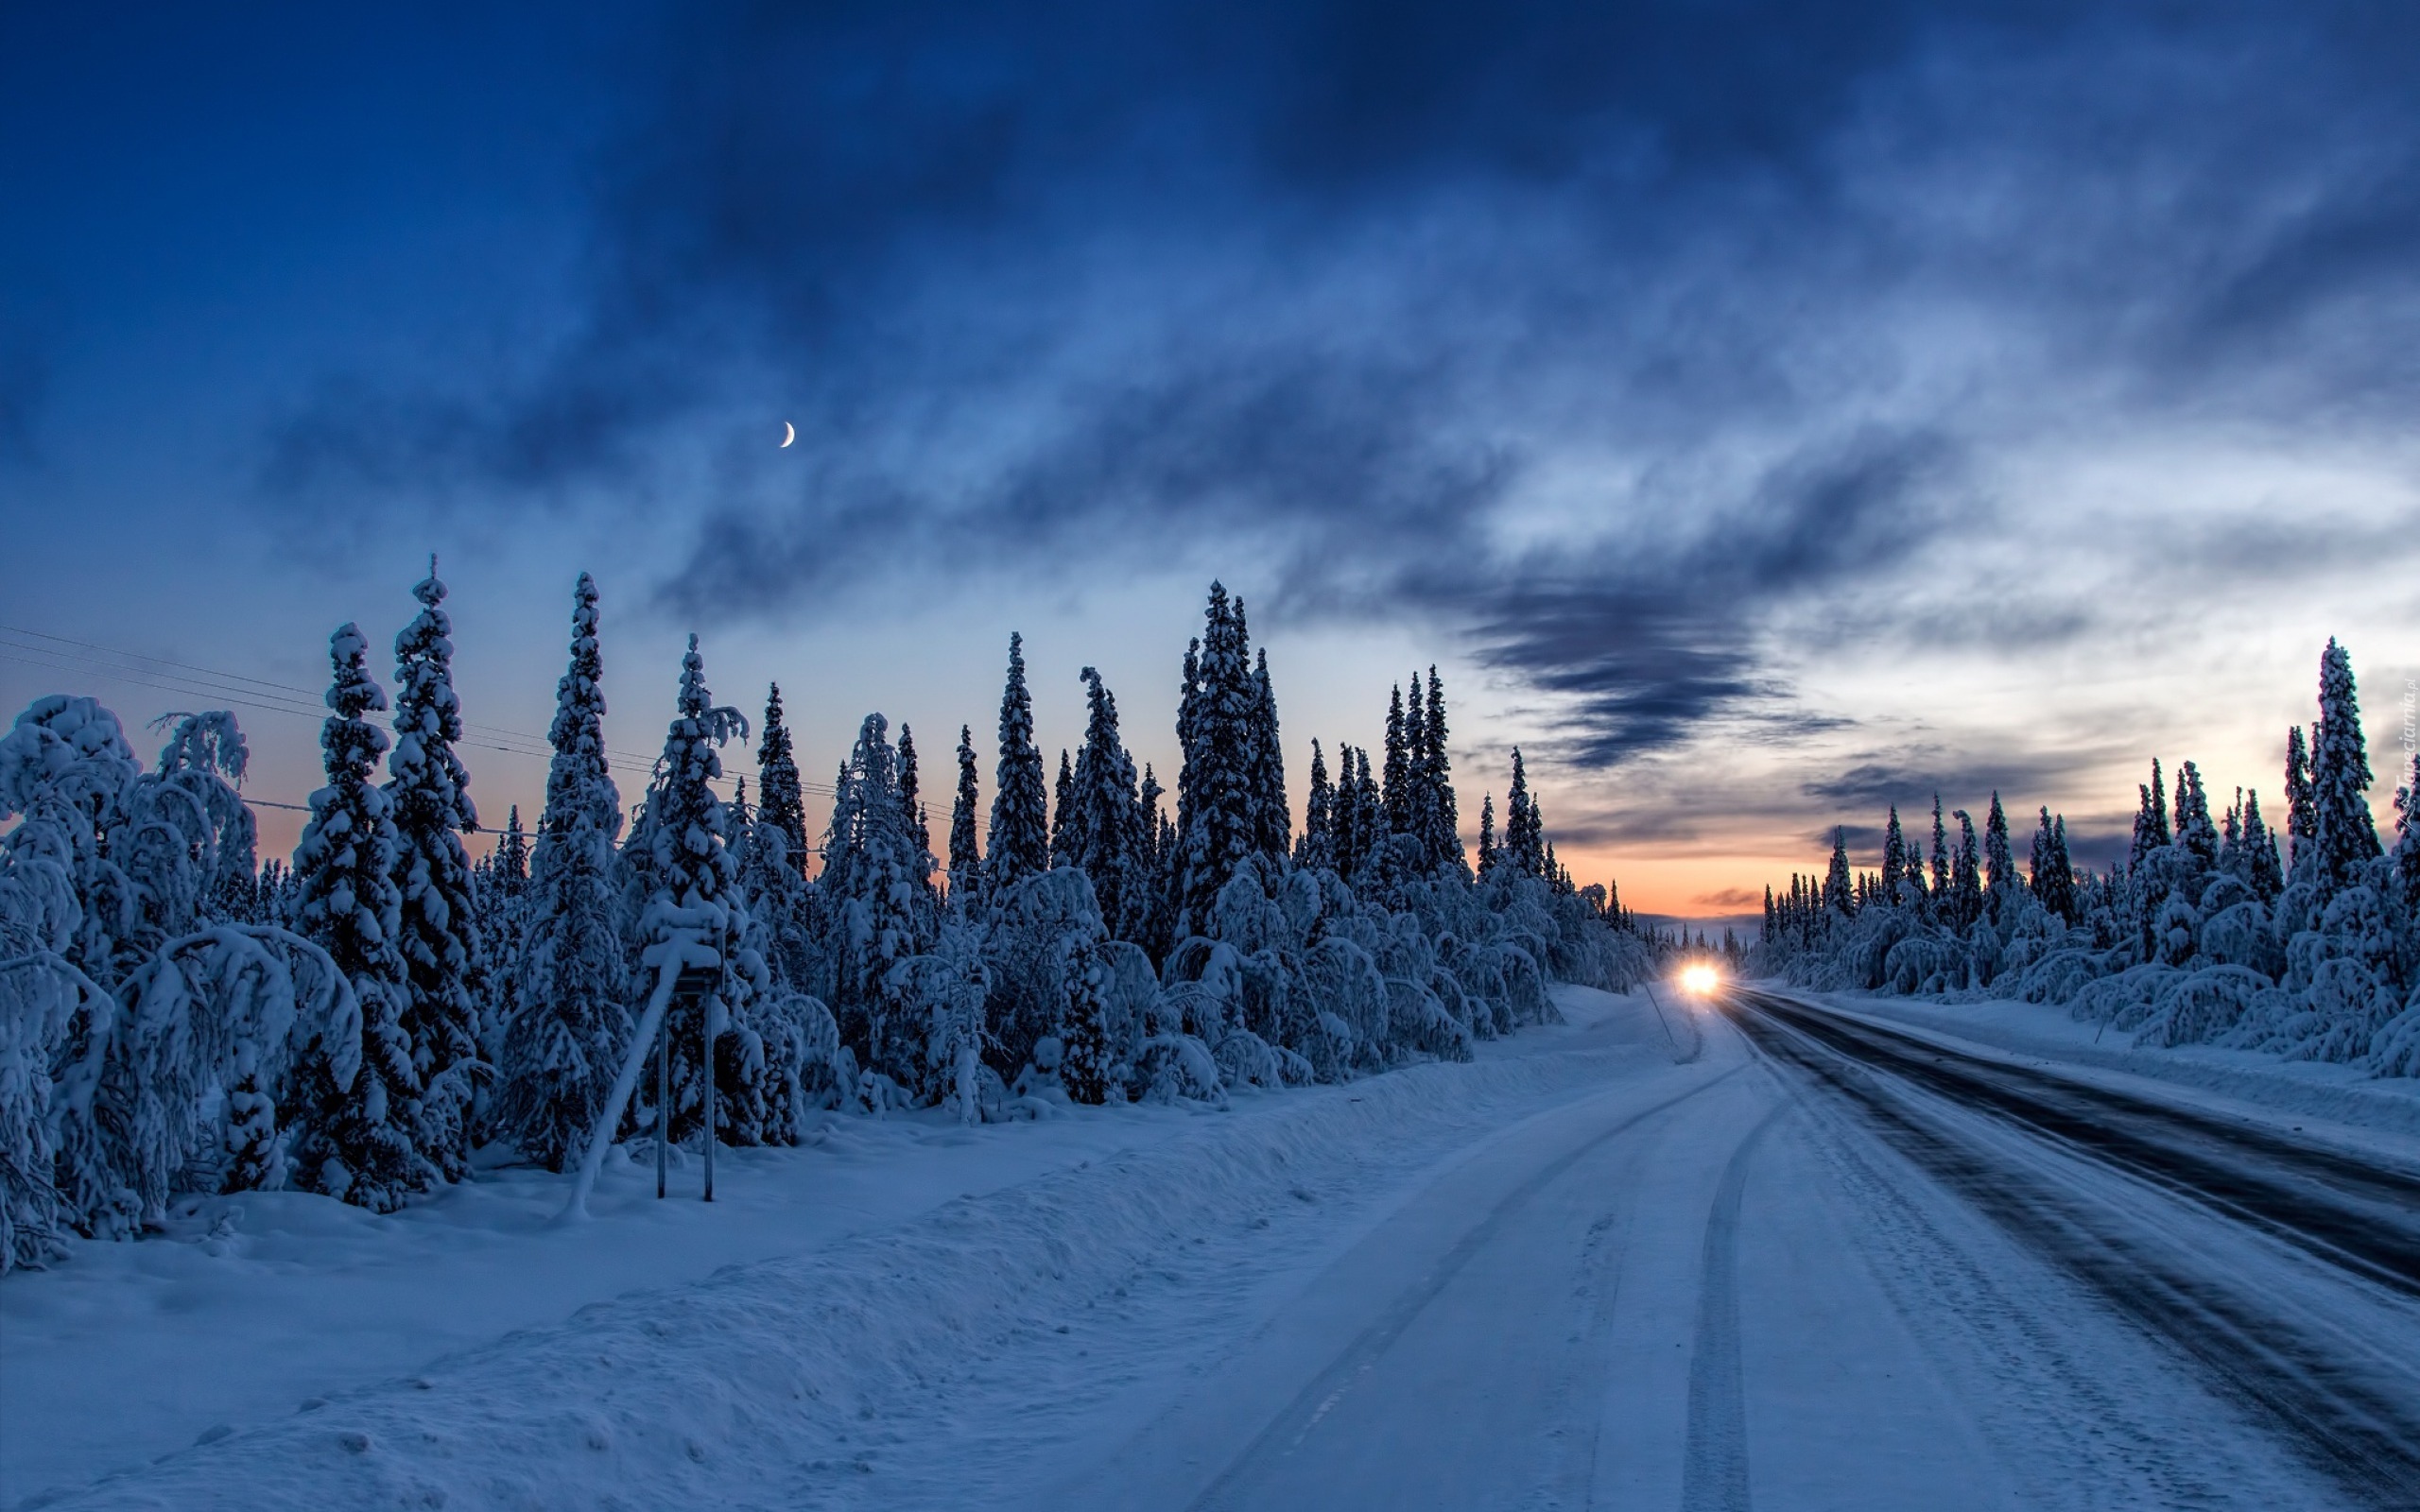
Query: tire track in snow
x,y
2356,1213
1294,1424
2356,1419
1714,1473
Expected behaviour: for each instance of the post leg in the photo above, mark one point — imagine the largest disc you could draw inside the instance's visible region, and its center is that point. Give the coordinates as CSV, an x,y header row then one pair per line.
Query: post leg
x,y
662,1103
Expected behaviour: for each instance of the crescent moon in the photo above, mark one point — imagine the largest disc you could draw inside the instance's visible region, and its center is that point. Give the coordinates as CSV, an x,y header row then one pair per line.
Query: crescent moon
x,y
789,433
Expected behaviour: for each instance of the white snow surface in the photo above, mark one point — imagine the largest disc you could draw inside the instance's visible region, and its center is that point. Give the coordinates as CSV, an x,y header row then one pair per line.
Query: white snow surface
x,y
1620,1263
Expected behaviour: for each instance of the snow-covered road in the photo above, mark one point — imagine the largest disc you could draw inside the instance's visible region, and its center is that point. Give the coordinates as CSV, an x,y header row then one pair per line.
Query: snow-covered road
x,y
1777,1256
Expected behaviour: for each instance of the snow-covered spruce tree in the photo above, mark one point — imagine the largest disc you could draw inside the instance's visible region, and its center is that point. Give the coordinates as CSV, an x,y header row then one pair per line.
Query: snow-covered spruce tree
x,y
1160,863
1316,847
1062,802
360,1140
2000,864
881,917
501,885
2194,831
911,803
1272,825
2344,837
561,1052
1088,1067
2264,871
943,999
1396,757
780,798
1216,824
2053,879
1488,853
1524,847
1372,857
1019,843
965,839
1940,891
1894,859
1837,897
2302,819
684,889
1967,879
2406,840
1440,838
429,795
1104,825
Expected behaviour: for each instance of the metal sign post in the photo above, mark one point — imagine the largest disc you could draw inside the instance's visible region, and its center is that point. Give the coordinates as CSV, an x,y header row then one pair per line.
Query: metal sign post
x,y
707,1010
663,1099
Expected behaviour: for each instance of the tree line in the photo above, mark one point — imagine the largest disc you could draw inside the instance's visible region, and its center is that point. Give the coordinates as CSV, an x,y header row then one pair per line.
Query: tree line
x,y
2217,930
362,1021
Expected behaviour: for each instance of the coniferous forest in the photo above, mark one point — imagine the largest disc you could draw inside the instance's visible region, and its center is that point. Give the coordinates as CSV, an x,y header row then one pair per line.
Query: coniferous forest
x,y
177,1018
2211,930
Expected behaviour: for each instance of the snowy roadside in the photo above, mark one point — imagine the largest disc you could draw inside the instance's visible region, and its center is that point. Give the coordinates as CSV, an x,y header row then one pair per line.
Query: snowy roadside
x,y
2362,1108
676,1354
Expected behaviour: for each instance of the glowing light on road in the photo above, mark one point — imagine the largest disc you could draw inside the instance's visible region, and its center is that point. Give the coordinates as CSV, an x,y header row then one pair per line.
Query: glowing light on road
x,y
1699,980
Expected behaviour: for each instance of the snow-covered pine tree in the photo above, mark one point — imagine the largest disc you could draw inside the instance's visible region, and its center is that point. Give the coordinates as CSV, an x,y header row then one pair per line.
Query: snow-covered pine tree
x,y
1316,848
2302,819
1999,861
1940,854
1104,819
2406,841
1188,719
1062,802
1215,825
1159,933
1397,764
1442,816
2194,831
1524,847
2344,837
1894,858
870,862
911,803
1967,883
2063,870
358,1142
1087,1065
965,839
1488,856
429,793
781,799
2264,871
1272,825
685,881
2406,844
1839,894
1019,844
2053,885
563,1051
503,893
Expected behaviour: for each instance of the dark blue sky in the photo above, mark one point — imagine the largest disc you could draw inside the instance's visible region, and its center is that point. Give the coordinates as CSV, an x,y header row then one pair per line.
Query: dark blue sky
x,y
1764,410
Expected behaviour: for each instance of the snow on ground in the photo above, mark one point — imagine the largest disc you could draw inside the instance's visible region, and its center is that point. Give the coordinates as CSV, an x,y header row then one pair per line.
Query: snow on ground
x,y
1627,1262
276,1324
